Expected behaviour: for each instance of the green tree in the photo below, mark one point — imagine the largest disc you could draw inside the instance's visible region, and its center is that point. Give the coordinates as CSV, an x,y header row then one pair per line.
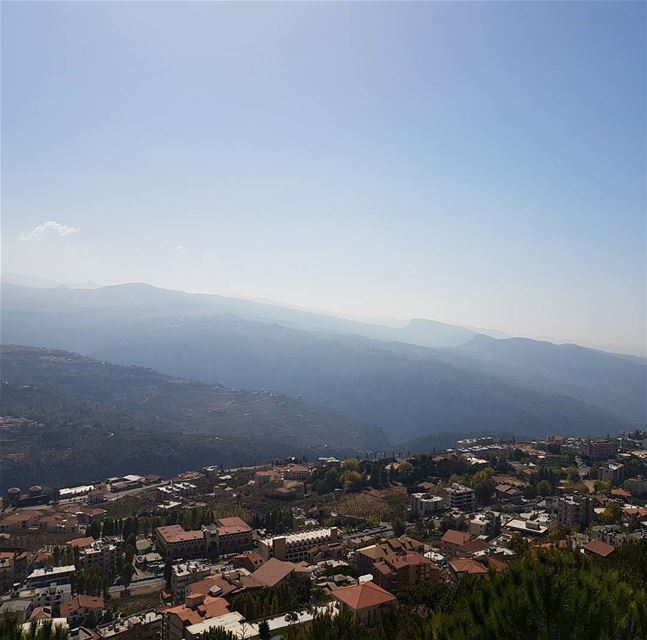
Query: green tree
x,y
264,631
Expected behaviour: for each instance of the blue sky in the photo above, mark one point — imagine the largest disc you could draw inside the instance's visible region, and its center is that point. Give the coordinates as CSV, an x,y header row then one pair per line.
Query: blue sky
x,y
476,163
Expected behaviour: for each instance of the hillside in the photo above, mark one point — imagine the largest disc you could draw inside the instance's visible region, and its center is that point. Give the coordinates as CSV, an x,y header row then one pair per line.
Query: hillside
x,y
614,383
406,389
72,405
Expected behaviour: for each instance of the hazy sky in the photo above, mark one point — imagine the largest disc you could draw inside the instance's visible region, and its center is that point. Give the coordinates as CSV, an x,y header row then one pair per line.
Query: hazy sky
x,y
476,163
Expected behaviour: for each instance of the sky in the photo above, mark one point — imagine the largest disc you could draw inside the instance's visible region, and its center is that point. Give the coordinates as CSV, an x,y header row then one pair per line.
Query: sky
x,y
479,163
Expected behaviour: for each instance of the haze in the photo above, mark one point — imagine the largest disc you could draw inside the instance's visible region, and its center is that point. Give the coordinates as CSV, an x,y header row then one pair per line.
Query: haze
x,y
481,164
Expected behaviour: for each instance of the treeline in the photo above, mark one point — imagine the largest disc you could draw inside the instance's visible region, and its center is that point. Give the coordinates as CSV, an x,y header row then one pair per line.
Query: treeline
x,y
266,603
543,596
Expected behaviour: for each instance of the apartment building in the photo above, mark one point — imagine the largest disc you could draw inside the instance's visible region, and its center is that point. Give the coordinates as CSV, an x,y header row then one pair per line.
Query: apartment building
x,y
602,449
53,596
575,510
146,625
486,523
13,568
613,473
424,504
404,569
460,497
101,555
46,577
185,574
294,547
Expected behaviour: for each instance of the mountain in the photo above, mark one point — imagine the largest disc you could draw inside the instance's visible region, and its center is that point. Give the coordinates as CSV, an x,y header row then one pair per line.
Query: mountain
x,y
406,389
615,383
107,419
145,300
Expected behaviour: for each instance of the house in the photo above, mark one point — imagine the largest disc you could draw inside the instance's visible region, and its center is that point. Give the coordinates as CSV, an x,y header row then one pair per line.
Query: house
x,y
598,548
196,609
453,540
464,566
404,569
508,494
365,601
274,572
296,472
80,607
250,561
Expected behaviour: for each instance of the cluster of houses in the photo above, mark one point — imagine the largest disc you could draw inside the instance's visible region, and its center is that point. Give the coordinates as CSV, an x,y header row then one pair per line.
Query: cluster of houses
x,y
198,573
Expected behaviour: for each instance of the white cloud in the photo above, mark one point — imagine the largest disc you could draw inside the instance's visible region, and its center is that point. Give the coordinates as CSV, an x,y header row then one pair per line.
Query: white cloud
x,y
180,248
50,229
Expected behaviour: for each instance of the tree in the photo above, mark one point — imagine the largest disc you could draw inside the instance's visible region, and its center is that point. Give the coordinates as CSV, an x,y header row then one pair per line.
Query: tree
x,y
94,530
544,488
264,631
483,491
127,571
168,572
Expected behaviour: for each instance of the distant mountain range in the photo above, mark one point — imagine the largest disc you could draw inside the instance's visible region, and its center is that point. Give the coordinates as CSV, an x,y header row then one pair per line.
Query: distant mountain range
x,y
426,377
88,419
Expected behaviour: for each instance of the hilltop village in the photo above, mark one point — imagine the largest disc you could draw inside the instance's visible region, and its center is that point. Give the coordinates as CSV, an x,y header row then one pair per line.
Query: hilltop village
x,y
272,551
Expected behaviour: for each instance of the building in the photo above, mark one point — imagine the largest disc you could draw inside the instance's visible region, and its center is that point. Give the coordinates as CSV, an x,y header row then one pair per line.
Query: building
x,y
146,625
599,548
508,494
575,510
601,449
460,497
275,571
367,557
101,555
296,472
53,596
228,535
466,566
404,569
184,574
453,540
294,547
80,608
486,524
262,478
365,601
19,607
196,609
48,577
172,541
613,473
13,567
424,504
637,486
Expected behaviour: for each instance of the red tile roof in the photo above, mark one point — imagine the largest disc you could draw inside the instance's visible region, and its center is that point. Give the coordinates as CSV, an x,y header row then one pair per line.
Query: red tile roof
x,y
176,533
599,548
273,572
363,596
454,537
467,565
81,602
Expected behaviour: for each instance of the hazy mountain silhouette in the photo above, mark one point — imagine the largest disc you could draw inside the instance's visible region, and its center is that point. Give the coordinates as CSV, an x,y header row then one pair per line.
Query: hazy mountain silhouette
x,y
406,389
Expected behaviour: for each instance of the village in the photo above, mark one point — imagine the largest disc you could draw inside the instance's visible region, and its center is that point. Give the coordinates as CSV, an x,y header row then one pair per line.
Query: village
x,y
258,551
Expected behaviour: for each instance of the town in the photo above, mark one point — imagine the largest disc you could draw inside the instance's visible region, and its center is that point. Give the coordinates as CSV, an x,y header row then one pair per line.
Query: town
x,y
271,551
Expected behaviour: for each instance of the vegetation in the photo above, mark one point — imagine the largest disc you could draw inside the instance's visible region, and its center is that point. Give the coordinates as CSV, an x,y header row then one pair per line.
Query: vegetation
x,y
10,629
543,596
269,602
